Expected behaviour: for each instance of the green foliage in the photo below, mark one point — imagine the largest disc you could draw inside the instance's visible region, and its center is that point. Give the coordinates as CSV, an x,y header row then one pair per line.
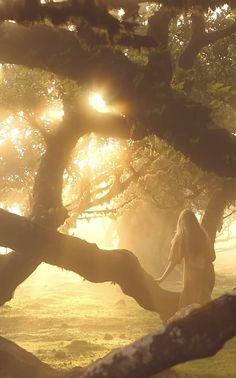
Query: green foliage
x,y
150,169
31,104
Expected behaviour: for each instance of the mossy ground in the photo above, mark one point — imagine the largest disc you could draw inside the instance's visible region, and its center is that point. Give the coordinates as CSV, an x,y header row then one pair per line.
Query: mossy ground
x,y
67,322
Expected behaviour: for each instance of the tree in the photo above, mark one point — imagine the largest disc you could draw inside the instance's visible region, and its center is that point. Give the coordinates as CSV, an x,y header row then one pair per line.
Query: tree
x,y
98,47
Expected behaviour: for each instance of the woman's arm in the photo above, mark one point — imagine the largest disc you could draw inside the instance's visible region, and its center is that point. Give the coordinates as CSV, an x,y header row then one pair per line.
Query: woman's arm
x,y
168,270
175,257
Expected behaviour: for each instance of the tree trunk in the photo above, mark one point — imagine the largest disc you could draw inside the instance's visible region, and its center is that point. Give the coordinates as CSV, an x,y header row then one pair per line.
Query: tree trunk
x,y
87,260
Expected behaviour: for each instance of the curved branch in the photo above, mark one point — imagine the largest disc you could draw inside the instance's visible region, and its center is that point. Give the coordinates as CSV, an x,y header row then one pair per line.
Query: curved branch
x,y
87,260
16,362
182,123
215,36
200,39
188,127
200,334
96,13
159,26
216,206
64,55
47,207
196,43
159,68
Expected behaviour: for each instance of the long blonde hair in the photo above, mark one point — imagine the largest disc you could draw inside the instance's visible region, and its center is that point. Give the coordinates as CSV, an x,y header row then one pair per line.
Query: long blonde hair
x,y
192,240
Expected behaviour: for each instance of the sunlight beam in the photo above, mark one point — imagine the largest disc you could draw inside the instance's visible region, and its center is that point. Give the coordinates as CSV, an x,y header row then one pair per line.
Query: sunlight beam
x,y
97,102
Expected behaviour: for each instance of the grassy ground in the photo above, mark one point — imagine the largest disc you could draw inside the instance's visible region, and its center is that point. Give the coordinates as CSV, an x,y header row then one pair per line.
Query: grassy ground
x,y
67,322
224,363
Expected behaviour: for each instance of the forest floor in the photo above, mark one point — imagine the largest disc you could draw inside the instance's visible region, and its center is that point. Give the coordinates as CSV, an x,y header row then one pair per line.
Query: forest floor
x,y
68,322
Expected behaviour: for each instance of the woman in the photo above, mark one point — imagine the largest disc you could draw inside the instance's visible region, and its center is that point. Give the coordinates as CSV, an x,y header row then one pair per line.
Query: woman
x,y
192,244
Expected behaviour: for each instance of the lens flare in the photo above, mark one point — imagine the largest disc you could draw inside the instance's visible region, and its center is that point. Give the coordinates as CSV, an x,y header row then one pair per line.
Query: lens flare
x,y
98,103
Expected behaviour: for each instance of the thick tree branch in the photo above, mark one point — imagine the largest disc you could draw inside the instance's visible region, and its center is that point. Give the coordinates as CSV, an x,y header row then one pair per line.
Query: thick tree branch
x,y
200,39
213,215
47,207
214,36
64,55
159,68
135,41
14,269
95,13
186,125
196,43
87,260
201,334
159,26
15,362
179,121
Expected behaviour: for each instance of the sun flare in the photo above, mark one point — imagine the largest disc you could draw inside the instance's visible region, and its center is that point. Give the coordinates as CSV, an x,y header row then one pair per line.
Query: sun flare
x,y
98,103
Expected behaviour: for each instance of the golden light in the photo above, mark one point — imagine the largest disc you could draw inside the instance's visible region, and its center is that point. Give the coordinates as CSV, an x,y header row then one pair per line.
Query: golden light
x,y
8,131
121,12
2,140
101,231
14,134
98,103
81,164
53,114
93,157
15,209
97,155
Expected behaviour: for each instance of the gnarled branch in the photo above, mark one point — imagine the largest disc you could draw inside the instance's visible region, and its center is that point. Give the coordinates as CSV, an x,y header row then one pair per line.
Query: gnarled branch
x,y
184,124
28,11
216,206
200,39
87,260
201,334
47,207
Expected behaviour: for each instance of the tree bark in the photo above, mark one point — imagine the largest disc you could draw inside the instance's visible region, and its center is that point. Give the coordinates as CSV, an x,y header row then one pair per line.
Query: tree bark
x,y
200,38
179,121
87,260
201,334
15,362
216,206
47,207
